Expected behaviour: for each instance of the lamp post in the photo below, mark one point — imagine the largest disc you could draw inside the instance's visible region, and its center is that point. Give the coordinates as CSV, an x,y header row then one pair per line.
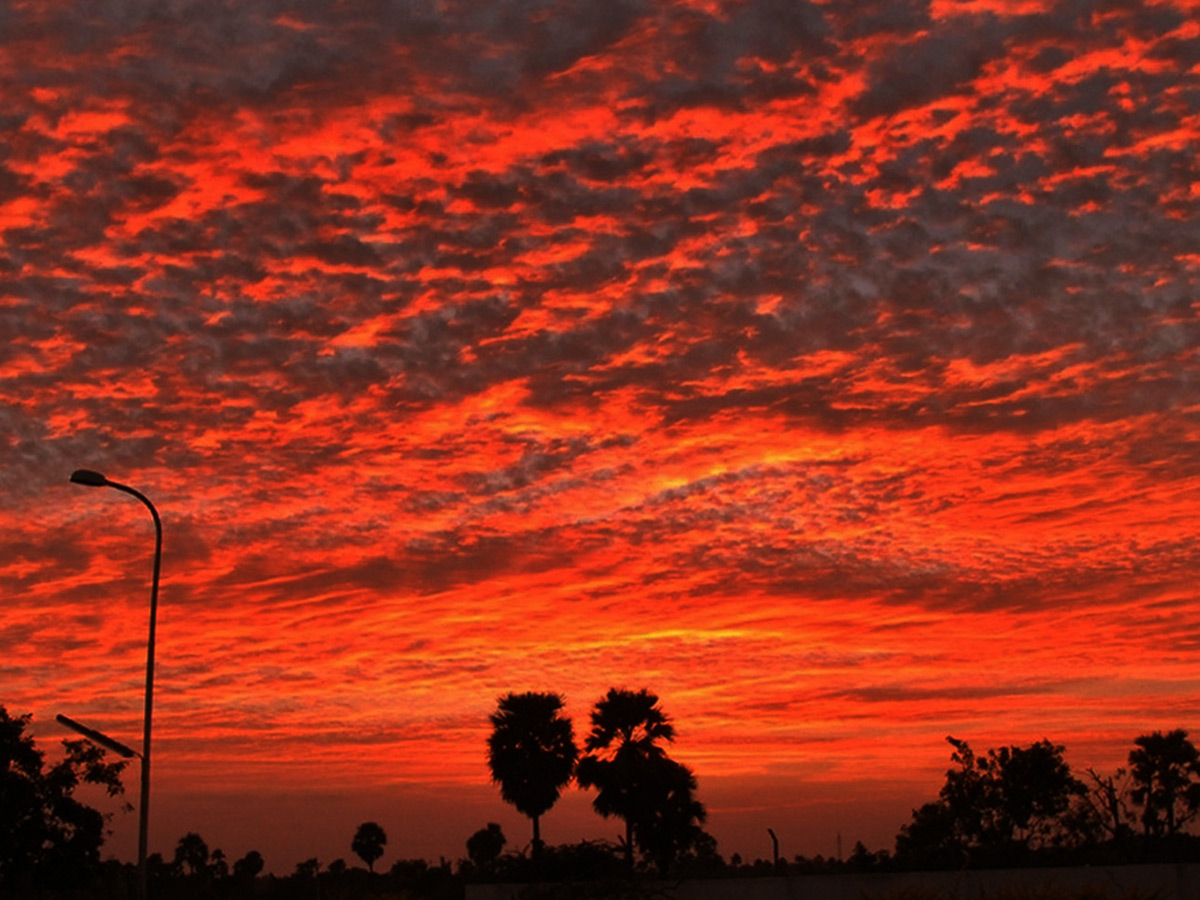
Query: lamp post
x,y
95,479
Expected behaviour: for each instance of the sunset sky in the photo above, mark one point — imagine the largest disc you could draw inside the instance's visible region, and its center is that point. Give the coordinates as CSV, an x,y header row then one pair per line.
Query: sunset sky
x,y
828,368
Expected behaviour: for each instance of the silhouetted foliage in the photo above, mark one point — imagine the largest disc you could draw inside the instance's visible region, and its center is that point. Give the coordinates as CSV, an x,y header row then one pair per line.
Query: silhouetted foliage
x,y
931,840
218,865
1012,806
700,860
47,836
249,866
1165,770
584,861
1101,814
307,870
1023,806
636,781
863,860
531,753
160,870
669,824
191,854
485,846
369,841
995,807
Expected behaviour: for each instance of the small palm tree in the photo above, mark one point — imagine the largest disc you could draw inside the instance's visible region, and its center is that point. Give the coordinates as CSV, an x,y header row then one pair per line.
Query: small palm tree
x,y
368,843
531,753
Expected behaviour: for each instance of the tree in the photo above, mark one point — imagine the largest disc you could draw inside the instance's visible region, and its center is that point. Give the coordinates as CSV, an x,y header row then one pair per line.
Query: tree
x,y
1032,788
634,778
931,840
192,852
1102,813
670,822
485,846
1165,771
1010,800
308,870
249,866
368,843
46,834
531,753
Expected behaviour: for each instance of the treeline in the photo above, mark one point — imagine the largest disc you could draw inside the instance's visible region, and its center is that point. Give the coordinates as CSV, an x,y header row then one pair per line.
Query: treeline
x,y
1010,806
1023,805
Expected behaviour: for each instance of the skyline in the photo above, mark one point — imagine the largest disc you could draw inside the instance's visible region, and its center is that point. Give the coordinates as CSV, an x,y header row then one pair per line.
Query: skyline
x,y
828,369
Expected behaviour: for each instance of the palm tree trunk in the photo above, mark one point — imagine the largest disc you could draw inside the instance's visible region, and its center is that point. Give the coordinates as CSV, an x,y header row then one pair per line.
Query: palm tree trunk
x,y
629,844
537,836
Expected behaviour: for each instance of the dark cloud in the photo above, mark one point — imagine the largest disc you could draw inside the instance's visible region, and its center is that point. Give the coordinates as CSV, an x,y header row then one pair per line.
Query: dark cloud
x,y
935,66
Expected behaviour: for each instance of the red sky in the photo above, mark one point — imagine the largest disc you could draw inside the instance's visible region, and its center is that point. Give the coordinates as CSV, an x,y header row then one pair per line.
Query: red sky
x,y
828,368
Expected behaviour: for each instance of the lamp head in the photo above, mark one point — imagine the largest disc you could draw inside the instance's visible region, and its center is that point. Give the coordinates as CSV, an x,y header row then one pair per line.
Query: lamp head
x,y
88,477
98,737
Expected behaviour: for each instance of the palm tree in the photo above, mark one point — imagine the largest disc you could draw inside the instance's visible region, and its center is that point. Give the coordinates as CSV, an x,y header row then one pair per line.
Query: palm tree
x,y
531,753
631,771
368,843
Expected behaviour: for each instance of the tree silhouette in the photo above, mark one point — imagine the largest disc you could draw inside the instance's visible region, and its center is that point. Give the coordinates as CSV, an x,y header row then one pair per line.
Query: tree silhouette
x,y
931,839
1008,801
1031,788
634,778
368,843
308,870
1103,814
1165,769
531,753
192,852
670,822
249,866
46,834
485,846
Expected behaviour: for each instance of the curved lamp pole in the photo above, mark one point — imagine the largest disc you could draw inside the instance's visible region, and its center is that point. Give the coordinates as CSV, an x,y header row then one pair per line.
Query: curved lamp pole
x,y
95,479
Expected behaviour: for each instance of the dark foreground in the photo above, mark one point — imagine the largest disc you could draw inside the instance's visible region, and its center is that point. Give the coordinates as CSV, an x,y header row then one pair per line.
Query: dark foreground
x,y
1158,881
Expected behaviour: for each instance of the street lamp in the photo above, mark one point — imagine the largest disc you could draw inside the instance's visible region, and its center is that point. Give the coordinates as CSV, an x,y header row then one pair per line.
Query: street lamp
x,y
95,479
98,737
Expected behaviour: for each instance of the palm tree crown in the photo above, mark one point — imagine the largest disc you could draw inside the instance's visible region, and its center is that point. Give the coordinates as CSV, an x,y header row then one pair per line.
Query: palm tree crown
x,y
632,721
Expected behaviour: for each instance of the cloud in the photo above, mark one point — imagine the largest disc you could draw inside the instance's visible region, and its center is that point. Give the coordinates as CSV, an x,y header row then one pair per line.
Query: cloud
x,y
773,355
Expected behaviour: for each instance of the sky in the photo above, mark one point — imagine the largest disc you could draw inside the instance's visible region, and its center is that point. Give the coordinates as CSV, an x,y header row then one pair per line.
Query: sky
x,y
827,368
